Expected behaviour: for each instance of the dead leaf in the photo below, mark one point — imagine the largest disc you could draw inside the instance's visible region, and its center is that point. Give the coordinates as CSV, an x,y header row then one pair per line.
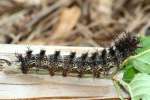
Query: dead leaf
x,y
68,19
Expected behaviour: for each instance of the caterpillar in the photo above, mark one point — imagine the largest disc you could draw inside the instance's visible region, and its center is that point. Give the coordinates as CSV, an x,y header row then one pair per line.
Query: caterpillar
x,y
97,64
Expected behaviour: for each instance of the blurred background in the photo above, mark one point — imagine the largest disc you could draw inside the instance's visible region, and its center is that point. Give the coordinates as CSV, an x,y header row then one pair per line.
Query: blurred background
x,y
71,22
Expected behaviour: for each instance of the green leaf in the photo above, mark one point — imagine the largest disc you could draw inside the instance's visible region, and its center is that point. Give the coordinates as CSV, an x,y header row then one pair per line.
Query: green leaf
x,y
129,73
145,43
140,62
140,87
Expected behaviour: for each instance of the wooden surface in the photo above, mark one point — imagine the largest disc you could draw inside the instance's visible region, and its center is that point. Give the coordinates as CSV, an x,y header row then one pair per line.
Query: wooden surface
x,y
14,85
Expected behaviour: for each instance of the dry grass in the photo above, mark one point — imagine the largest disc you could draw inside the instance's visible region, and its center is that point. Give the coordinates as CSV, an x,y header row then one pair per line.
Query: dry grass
x,y
71,22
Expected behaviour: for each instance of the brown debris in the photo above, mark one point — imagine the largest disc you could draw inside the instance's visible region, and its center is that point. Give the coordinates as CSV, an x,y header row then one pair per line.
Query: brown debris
x,y
67,21
71,22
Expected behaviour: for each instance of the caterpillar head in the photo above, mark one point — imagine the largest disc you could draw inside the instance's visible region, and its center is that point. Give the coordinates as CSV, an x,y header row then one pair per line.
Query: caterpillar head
x,y
127,43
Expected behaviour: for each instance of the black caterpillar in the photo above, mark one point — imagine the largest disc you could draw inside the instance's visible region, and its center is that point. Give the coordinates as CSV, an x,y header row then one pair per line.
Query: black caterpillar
x,y
98,64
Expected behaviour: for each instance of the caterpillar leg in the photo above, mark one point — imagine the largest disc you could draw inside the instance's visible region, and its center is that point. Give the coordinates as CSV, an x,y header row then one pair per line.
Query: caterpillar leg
x,y
80,72
51,71
96,73
64,72
24,69
106,70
